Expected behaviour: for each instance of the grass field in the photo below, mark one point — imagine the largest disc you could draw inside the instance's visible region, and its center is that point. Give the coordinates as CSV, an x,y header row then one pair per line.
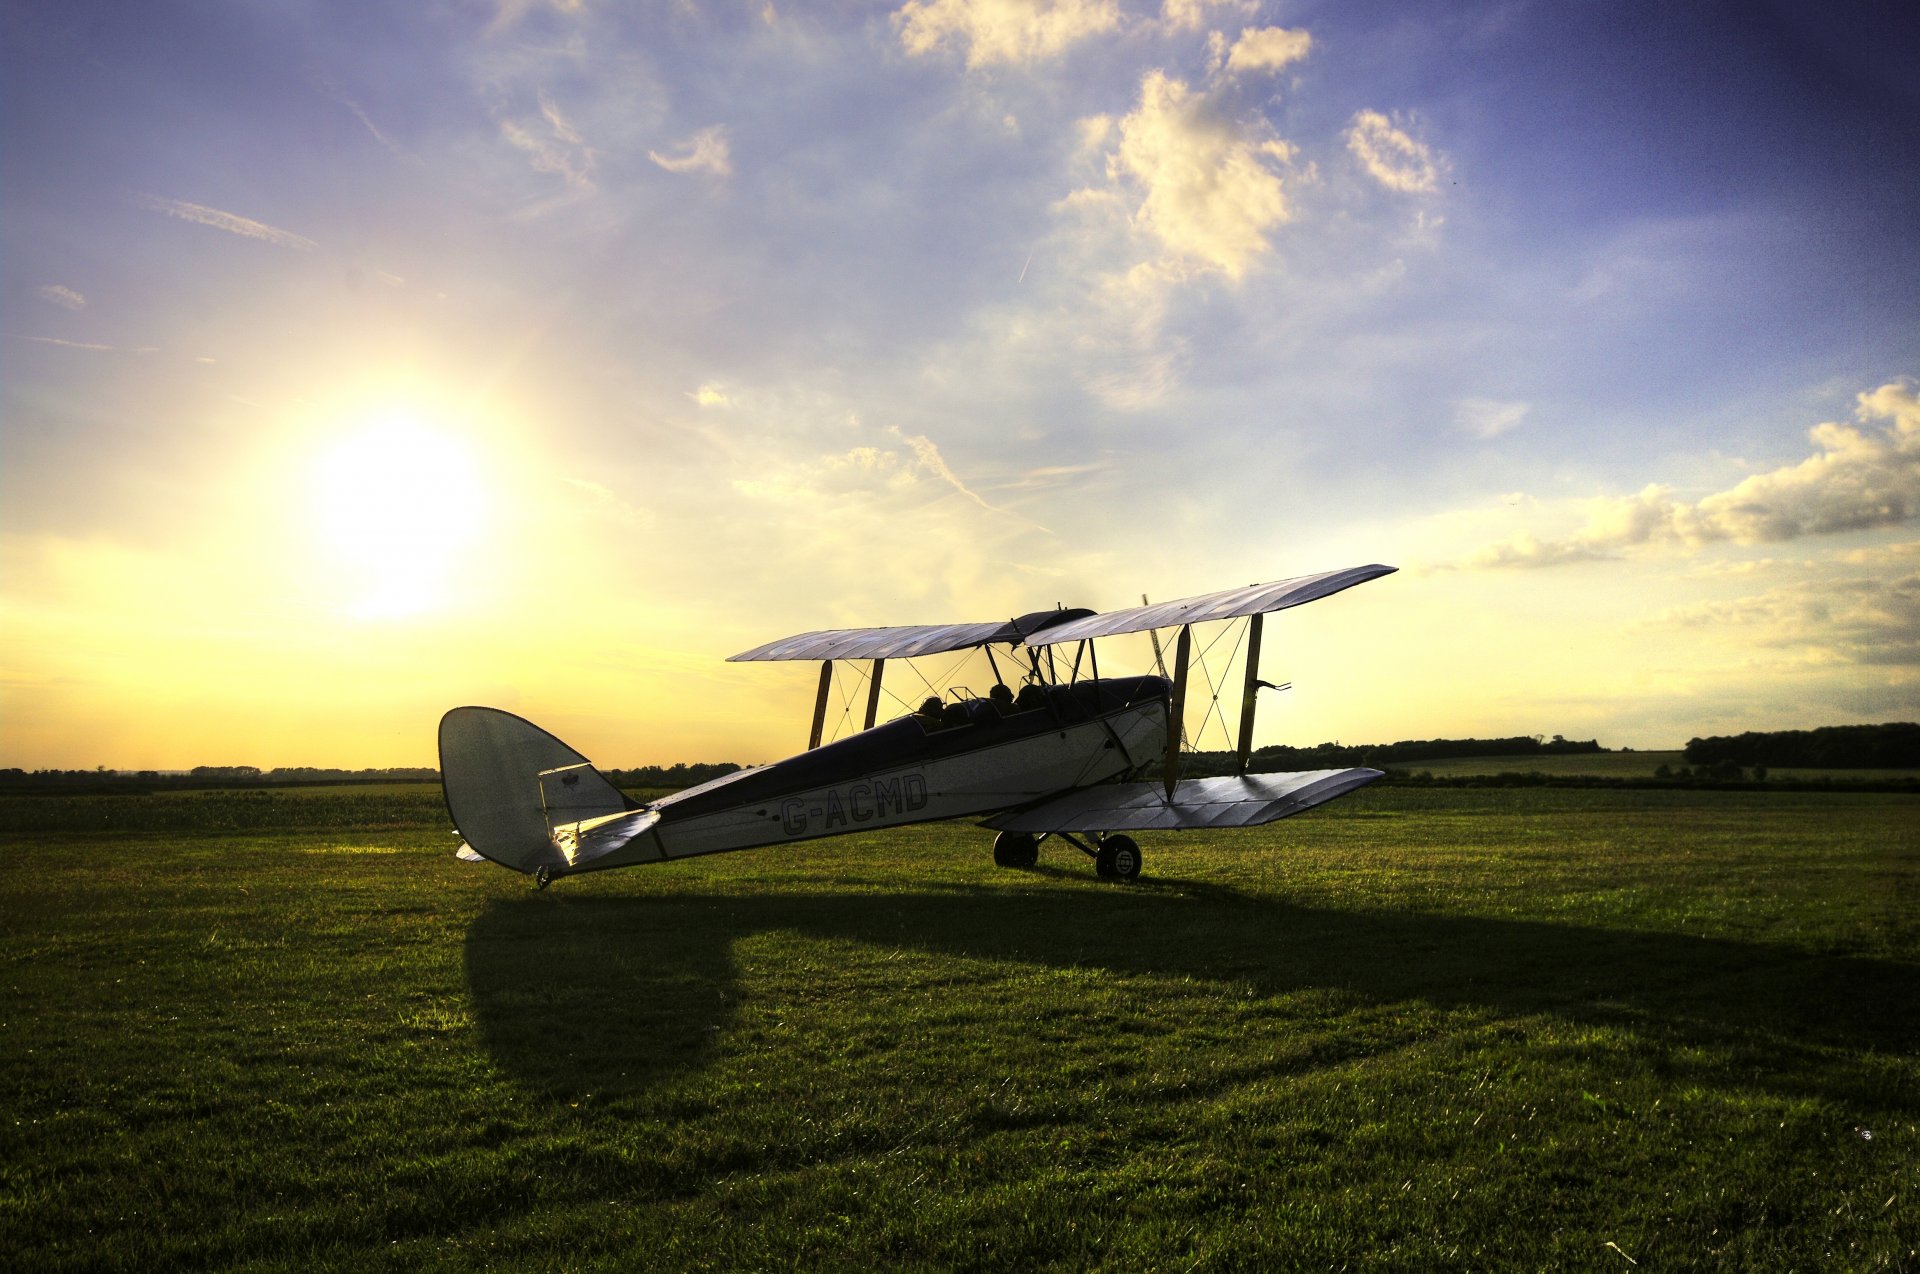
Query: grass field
x,y
1419,1028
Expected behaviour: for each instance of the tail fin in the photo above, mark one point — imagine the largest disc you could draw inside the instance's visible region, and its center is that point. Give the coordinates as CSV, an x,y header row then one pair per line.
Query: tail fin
x,y
511,787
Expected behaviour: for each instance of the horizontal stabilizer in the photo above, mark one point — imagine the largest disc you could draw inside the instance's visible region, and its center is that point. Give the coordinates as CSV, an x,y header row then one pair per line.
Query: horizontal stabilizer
x,y
585,841
1231,801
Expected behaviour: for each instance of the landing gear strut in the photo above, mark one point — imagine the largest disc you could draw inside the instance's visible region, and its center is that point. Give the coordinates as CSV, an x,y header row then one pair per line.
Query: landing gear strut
x,y
542,877
1115,857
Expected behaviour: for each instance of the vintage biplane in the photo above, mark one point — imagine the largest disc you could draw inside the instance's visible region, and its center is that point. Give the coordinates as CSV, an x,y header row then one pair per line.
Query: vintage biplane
x,y
1063,756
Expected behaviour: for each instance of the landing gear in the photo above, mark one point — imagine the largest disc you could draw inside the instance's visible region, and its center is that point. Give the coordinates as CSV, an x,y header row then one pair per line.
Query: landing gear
x,y
1118,858
1015,849
542,877
1115,857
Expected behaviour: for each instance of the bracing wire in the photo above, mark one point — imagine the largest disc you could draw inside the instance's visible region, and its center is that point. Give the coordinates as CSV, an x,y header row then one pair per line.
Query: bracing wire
x,y
1213,709
851,693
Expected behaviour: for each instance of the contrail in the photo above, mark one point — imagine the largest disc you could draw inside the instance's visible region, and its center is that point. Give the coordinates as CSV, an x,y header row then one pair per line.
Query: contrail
x,y
246,227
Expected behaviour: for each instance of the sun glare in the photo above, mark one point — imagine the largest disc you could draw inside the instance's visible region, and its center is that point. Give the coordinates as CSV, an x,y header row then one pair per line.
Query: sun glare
x,y
397,504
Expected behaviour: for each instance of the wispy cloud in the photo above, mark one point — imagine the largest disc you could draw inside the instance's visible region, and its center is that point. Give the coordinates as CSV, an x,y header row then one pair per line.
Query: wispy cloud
x,y
707,151
1391,155
1268,49
232,223
1002,30
1850,619
508,13
54,340
711,395
334,91
371,127
1489,417
1859,478
1191,15
602,500
553,145
1046,477
64,297
936,464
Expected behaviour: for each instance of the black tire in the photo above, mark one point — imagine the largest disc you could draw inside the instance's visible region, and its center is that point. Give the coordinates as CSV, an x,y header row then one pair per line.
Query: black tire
x,y
1015,849
1118,859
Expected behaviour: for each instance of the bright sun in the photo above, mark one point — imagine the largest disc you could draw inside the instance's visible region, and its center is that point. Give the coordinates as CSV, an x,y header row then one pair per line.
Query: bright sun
x,y
397,503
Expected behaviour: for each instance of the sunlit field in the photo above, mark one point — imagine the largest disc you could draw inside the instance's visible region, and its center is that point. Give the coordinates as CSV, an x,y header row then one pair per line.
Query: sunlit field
x,y
1418,1028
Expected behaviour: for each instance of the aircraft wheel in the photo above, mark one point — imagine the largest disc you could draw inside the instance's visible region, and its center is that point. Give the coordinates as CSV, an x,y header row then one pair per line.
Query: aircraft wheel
x,y
1118,859
1015,849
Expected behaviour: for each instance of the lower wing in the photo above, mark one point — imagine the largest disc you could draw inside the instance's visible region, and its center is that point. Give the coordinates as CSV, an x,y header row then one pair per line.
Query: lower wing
x,y
1234,801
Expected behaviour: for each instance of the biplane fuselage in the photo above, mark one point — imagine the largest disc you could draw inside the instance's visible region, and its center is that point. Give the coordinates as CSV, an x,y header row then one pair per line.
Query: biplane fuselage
x,y
976,760
1058,759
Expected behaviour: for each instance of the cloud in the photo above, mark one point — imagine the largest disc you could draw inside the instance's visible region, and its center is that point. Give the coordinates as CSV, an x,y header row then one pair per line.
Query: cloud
x,y
711,395
1126,358
65,298
509,13
54,340
1207,185
706,151
934,463
1268,49
371,127
603,501
1002,30
245,227
1854,619
818,516
1394,159
1489,417
558,148
334,91
1859,478
1191,15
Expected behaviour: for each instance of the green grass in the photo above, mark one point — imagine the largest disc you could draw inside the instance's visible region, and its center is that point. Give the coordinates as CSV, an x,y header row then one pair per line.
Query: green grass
x,y
1419,1028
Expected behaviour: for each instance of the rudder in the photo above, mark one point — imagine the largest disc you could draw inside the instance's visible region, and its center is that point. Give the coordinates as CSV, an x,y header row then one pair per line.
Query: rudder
x,y
509,784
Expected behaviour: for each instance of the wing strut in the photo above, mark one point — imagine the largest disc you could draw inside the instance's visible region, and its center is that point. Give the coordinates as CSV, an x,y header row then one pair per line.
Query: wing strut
x,y
1176,707
820,704
1159,659
873,694
1250,693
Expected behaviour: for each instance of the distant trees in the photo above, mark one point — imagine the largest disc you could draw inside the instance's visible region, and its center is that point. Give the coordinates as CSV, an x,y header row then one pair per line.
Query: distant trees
x,y
1410,751
205,776
677,775
224,773
1892,746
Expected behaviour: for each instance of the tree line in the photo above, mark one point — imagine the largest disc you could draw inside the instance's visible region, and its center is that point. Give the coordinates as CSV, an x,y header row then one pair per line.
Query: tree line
x,y
1894,745
1326,756
100,777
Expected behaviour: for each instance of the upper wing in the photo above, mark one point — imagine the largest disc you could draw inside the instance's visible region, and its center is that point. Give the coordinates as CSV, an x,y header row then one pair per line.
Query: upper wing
x,y
909,640
1232,603
1047,627
1233,801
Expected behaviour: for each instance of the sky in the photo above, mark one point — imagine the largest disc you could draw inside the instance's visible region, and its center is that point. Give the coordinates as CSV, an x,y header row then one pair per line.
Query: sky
x,y
359,360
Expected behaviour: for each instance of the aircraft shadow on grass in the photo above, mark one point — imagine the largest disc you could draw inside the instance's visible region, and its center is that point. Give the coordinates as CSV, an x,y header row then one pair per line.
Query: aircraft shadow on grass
x,y
614,995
